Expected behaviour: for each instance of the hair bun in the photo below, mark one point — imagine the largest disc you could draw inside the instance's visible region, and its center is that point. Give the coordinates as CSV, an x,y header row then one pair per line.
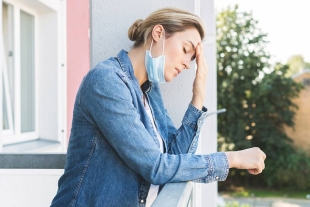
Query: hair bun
x,y
133,31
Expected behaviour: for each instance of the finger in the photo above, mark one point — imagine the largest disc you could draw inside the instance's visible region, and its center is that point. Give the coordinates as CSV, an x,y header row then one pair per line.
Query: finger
x,y
260,152
263,166
198,53
200,60
254,171
201,49
264,155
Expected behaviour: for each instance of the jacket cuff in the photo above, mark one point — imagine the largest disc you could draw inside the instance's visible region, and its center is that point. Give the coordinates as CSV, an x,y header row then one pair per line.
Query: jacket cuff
x,y
194,117
219,166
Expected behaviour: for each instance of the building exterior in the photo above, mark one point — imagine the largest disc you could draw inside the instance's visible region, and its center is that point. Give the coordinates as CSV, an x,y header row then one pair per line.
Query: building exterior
x,y
300,134
44,53
46,48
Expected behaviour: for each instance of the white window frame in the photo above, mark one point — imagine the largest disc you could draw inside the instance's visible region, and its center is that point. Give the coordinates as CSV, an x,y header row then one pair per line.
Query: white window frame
x,y
50,72
14,135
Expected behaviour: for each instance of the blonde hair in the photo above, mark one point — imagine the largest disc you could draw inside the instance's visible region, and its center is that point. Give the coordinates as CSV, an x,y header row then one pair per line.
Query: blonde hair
x,y
172,19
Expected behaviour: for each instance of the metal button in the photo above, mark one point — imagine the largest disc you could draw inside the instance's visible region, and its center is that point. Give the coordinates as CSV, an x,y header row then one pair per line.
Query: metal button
x,y
142,201
217,177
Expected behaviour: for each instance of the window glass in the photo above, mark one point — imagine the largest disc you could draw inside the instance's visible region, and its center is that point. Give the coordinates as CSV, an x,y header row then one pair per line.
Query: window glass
x,y
27,72
8,69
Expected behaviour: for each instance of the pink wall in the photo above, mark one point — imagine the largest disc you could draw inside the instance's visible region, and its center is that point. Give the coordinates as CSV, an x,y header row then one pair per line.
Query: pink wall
x,y
78,51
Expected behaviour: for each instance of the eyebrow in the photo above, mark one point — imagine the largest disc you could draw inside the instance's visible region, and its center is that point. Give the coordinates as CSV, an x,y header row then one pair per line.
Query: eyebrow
x,y
193,46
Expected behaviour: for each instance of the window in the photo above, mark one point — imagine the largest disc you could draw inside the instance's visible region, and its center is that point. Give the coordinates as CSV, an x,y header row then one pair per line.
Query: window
x,y
33,73
306,81
18,78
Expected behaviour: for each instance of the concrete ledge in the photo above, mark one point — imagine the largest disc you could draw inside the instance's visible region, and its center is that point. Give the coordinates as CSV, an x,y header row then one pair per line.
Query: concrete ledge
x,y
32,161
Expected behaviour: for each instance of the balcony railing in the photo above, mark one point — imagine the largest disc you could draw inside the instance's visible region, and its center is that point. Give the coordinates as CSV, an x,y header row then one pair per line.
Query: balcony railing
x,y
175,195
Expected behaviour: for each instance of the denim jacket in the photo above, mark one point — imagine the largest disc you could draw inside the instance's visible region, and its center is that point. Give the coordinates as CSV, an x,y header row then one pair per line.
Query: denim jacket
x,y
113,154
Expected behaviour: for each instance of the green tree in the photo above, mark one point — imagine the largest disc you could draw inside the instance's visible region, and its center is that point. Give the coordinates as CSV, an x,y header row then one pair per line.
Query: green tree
x,y
296,63
257,96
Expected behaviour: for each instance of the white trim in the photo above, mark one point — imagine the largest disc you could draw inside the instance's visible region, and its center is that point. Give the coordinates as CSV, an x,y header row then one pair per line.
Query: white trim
x,y
36,76
13,139
16,38
62,76
21,5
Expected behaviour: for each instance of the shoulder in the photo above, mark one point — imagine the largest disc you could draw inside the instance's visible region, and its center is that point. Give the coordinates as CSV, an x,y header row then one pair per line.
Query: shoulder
x,y
108,70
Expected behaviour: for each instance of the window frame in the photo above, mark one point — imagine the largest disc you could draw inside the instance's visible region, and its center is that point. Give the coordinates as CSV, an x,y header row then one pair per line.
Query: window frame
x,y
14,135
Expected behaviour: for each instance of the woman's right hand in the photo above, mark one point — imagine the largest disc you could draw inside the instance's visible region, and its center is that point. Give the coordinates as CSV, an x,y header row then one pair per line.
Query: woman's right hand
x,y
199,85
251,159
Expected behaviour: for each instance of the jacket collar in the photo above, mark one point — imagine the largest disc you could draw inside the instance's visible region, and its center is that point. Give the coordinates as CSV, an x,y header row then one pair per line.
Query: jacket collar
x,y
126,66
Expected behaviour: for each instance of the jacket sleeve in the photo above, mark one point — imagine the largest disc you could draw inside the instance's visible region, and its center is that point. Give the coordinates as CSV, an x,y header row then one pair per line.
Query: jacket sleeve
x,y
107,102
185,139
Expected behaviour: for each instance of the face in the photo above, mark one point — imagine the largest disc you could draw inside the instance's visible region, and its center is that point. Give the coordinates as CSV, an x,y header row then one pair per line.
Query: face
x,y
180,51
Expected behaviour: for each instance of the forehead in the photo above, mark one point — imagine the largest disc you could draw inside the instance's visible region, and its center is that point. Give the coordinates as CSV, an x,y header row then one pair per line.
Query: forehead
x,y
190,34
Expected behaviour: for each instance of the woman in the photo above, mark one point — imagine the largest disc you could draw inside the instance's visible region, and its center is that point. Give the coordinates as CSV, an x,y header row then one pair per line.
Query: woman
x,y
123,145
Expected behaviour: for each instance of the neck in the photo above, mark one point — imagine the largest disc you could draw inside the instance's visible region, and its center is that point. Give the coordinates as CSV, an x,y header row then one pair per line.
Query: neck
x,y
136,56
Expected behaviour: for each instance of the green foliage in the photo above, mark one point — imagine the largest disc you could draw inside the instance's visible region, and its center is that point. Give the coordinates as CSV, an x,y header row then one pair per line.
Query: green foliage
x,y
297,171
265,193
236,204
257,97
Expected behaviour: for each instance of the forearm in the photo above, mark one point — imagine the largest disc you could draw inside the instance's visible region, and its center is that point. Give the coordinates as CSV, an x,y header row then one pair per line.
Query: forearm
x,y
197,101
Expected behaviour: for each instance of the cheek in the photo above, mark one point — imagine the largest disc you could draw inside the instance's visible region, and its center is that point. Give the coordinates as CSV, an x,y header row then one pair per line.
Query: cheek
x,y
170,71
173,54
172,60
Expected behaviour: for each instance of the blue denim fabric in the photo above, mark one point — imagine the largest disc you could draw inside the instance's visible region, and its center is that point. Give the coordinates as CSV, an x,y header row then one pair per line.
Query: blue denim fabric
x,y
113,154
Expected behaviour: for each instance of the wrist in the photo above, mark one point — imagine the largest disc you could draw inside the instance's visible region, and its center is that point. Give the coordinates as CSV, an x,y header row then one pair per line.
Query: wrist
x,y
231,156
198,103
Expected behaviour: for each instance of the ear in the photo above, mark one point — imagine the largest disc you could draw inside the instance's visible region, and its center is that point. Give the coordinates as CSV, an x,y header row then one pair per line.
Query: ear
x,y
157,32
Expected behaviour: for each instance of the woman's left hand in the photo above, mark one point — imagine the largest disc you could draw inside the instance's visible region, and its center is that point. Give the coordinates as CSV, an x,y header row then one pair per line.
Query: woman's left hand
x,y
199,85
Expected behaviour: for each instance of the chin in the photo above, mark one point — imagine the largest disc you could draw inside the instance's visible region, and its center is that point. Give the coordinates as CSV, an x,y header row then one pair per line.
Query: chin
x,y
168,79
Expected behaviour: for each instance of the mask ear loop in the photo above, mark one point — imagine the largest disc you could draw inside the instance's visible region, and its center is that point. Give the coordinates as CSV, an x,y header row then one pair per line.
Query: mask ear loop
x,y
151,45
164,43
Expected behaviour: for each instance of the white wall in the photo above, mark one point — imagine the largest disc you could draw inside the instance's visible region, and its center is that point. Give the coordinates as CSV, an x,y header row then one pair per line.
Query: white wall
x,y
29,188
110,21
208,141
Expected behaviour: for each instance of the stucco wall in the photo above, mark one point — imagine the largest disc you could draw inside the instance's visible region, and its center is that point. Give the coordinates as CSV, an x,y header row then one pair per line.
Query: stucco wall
x,y
78,58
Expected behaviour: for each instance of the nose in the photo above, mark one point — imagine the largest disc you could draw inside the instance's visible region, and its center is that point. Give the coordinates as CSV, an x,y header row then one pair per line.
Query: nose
x,y
186,64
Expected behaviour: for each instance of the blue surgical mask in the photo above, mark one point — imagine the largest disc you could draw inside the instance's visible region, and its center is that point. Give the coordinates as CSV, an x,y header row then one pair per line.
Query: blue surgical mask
x,y
155,67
